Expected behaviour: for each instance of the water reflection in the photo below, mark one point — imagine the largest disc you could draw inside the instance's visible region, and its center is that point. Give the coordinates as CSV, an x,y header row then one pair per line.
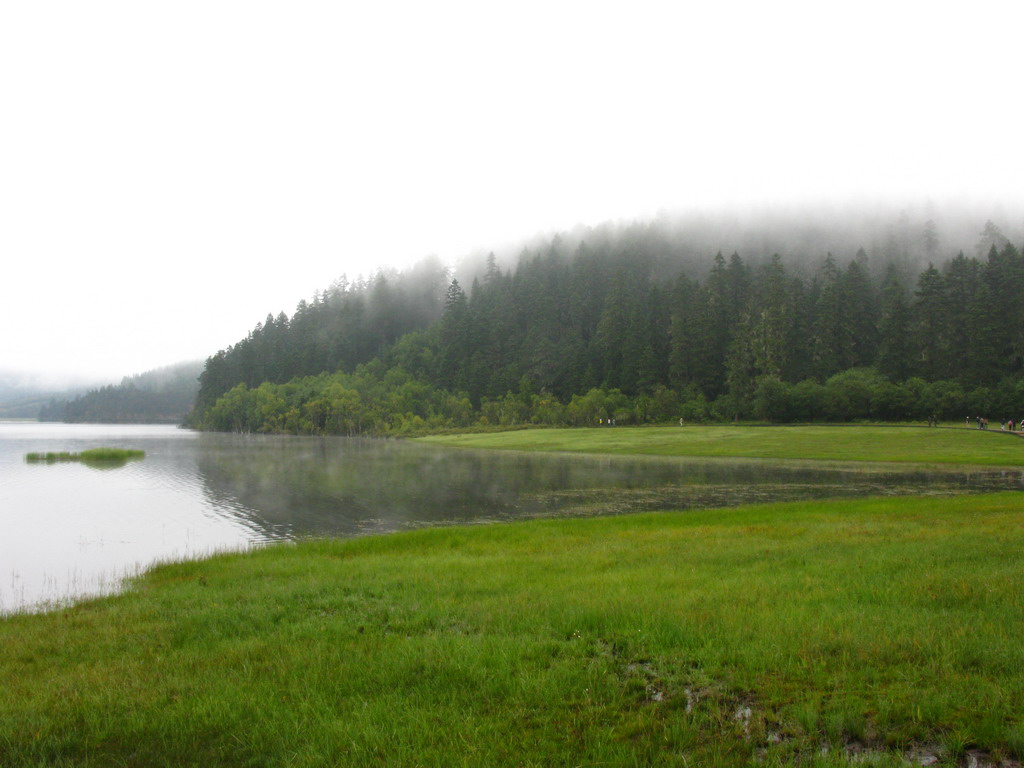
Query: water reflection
x,y
342,487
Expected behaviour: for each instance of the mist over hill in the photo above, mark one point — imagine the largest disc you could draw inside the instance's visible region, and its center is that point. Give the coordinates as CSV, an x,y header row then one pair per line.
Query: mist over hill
x,y
161,396
21,396
908,236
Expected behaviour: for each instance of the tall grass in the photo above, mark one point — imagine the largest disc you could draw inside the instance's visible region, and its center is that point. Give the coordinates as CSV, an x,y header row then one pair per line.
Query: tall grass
x,y
805,632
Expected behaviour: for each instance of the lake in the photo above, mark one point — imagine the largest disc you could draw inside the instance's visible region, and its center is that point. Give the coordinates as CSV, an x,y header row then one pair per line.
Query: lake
x,y
72,530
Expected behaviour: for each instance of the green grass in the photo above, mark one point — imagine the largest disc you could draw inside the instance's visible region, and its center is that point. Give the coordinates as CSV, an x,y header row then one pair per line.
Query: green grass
x,y
838,443
91,455
711,638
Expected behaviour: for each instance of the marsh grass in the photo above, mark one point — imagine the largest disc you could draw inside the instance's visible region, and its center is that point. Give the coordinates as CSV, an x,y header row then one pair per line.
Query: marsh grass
x,y
97,456
919,445
823,633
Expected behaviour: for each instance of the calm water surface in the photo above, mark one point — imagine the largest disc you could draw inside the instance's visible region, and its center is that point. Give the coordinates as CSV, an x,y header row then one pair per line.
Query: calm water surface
x,y
73,530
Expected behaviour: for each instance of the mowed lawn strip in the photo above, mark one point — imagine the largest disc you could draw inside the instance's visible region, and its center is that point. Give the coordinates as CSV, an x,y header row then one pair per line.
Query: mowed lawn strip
x,y
805,632
823,443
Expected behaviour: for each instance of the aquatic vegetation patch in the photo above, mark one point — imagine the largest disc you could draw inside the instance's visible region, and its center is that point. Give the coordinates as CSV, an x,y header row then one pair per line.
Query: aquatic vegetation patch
x,y
91,455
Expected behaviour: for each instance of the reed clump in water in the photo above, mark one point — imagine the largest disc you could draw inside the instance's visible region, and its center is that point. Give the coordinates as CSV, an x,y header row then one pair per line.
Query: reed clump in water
x,y
94,455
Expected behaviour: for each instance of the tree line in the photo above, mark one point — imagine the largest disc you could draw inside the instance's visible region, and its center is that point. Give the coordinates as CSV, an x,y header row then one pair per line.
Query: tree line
x,y
628,317
376,400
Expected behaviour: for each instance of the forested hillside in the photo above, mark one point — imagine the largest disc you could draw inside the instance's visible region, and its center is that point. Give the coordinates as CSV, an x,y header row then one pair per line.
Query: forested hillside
x,y
633,318
161,396
348,324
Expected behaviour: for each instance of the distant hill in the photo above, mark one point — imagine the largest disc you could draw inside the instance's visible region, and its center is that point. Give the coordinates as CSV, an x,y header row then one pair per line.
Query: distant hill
x,y
22,397
161,396
23,406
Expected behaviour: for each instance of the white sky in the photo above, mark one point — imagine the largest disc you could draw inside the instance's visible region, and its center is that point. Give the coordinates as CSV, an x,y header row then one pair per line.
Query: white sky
x,y
172,171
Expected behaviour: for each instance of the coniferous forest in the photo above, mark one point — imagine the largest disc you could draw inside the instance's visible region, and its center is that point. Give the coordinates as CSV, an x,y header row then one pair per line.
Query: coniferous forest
x,y
638,325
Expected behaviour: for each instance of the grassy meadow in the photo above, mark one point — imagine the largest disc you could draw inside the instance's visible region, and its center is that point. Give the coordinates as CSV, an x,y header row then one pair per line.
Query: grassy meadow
x,y
826,443
867,632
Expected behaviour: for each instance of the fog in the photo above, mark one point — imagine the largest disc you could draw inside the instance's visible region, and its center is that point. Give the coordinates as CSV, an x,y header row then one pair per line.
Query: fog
x,y
910,236
170,174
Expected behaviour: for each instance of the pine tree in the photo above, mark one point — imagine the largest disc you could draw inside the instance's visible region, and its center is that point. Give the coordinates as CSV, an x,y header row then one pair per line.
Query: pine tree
x,y
894,346
721,320
961,282
831,335
929,324
1003,275
454,335
861,312
685,333
762,344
